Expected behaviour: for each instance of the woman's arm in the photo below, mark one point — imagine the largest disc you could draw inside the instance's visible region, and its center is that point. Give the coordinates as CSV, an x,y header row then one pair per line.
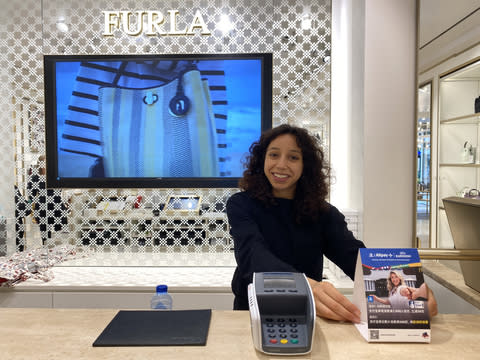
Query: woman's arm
x,y
341,246
380,300
331,304
252,253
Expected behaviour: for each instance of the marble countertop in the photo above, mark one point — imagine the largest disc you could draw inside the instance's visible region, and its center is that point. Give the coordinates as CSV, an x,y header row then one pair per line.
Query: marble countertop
x,y
452,280
69,333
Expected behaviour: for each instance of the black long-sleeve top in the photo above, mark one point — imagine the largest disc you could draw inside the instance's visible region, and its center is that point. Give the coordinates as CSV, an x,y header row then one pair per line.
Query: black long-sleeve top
x,y
267,238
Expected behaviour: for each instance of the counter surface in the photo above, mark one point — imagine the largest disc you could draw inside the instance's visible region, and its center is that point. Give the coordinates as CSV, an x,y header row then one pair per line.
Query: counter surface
x,y
452,280
69,334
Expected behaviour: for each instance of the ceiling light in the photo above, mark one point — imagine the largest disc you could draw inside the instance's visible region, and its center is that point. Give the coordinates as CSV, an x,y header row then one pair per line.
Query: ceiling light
x,y
225,25
306,22
61,26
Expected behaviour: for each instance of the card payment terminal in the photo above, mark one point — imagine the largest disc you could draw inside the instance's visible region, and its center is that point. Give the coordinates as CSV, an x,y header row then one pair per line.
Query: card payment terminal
x,y
282,313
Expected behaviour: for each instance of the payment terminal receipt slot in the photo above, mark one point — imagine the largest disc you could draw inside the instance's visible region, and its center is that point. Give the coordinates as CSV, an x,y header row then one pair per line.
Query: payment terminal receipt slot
x,y
282,313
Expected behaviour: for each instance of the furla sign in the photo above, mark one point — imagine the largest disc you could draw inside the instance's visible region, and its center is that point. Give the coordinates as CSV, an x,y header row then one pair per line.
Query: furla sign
x,y
151,23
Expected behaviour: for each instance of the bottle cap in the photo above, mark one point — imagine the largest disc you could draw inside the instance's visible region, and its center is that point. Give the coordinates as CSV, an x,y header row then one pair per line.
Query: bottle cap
x,y
162,288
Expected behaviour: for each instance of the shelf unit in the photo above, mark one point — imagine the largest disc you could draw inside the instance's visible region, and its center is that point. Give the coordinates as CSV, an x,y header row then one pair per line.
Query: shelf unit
x,y
459,128
134,228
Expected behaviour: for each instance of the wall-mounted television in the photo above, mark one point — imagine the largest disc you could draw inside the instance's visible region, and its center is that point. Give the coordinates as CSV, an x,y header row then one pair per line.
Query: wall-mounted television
x,y
148,121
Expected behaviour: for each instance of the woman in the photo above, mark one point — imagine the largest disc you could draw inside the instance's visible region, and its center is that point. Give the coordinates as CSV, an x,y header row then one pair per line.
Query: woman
x,y
282,222
399,294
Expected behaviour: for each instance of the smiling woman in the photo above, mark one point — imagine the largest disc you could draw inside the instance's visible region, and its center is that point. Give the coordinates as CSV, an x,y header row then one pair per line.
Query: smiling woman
x,y
283,166
311,186
282,222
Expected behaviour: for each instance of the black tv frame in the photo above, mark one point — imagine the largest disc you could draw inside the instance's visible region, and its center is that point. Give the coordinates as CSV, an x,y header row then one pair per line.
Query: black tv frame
x,y
53,181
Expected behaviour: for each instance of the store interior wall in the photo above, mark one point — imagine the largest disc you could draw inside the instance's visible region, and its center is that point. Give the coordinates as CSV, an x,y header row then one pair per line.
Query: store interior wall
x,y
448,38
379,175
31,29
389,102
389,89
373,112
348,22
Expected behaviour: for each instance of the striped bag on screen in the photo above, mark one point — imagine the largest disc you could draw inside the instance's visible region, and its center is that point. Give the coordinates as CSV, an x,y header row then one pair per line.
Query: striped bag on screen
x,y
81,134
166,131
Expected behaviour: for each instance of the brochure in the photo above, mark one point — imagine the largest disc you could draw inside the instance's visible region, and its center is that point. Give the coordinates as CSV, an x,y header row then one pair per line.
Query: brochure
x,y
390,292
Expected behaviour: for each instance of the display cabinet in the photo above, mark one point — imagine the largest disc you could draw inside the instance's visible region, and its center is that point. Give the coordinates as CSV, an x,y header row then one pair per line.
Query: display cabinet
x,y
424,166
142,227
458,141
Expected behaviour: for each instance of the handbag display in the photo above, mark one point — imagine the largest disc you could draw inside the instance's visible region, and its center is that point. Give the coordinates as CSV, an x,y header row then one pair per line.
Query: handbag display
x,y
468,153
165,131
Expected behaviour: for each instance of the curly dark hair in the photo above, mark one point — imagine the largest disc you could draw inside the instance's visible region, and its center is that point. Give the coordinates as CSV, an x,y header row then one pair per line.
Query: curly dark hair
x,y
312,187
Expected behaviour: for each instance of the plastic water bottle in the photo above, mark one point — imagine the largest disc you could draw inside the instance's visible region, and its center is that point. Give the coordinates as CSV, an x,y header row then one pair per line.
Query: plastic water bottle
x,y
162,299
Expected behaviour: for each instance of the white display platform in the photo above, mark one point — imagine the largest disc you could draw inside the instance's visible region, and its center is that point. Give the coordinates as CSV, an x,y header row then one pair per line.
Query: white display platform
x,y
131,287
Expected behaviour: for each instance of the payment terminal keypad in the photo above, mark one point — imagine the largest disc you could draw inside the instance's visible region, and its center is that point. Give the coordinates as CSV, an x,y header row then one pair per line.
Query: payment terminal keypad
x,y
284,332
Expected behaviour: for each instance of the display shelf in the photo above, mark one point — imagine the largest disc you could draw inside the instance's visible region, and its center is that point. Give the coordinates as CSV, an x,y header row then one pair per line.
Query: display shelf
x,y
458,164
140,228
472,119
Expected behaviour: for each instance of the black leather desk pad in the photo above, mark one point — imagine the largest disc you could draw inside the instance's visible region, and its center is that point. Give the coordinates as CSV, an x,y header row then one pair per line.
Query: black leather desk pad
x,y
156,328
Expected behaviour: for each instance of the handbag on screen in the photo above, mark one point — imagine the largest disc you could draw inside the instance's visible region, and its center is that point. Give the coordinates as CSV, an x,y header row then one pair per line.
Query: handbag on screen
x,y
165,131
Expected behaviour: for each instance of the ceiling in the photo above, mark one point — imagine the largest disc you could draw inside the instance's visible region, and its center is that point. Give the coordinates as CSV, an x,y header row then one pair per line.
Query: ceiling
x,y
437,16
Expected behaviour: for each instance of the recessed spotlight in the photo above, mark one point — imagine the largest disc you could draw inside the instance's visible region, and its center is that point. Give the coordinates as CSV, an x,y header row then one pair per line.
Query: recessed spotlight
x,y
61,26
225,25
306,22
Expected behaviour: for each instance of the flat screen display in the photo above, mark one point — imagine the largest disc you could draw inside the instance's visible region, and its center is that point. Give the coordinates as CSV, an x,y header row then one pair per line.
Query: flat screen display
x,y
278,283
154,120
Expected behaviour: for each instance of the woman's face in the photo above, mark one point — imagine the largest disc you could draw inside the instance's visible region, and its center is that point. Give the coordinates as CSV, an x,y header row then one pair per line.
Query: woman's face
x,y
283,165
394,279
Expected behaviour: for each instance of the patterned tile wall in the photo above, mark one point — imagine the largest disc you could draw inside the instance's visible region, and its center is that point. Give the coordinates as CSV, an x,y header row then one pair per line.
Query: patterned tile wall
x,y
30,29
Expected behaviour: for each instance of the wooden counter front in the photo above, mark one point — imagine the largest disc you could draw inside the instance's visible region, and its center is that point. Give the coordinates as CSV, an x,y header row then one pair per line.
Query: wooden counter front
x,y
69,333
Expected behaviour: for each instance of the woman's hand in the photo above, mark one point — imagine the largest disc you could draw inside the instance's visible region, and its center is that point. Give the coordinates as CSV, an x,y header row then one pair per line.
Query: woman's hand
x,y
425,292
331,304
